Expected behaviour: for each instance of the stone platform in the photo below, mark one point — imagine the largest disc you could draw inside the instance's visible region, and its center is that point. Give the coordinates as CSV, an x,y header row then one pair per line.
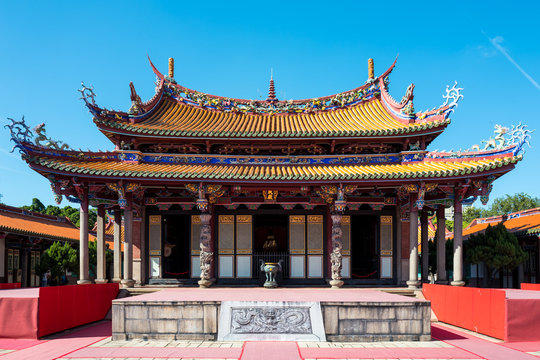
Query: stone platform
x,y
348,314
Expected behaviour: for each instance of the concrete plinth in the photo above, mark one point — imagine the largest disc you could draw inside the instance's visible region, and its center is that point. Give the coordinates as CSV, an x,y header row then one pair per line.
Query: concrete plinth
x,y
348,314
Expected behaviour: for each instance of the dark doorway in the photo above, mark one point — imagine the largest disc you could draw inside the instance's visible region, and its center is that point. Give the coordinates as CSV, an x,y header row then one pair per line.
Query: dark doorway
x,y
176,242
364,247
270,233
270,243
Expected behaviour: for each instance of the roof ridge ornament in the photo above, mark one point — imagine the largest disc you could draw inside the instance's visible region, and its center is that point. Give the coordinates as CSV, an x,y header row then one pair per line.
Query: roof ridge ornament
x,y
504,141
453,94
20,133
48,142
87,93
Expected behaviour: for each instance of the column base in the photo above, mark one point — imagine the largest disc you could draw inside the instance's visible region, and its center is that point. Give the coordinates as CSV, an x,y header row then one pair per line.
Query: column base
x,y
413,284
336,284
116,280
101,281
204,283
84,282
127,283
457,283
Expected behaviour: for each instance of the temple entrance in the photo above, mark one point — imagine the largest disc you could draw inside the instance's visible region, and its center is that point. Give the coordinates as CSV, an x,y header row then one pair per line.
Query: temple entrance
x,y
176,246
270,243
364,247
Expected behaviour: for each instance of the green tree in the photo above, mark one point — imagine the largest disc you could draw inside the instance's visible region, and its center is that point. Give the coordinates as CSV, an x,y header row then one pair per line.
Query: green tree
x,y
58,258
71,213
470,213
512,203
497,248
37,206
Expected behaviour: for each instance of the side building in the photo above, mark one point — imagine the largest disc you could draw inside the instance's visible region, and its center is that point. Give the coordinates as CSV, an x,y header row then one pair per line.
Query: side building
x,y
24,235
211,187
525,225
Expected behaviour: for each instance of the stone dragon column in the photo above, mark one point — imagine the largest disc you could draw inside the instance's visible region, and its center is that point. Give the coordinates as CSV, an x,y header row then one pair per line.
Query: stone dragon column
x,y
336,257
206,254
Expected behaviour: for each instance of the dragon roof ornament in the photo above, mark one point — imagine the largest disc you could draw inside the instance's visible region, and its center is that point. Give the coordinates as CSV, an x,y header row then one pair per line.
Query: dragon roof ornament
x,y
20,133
504,140
87,93
453,94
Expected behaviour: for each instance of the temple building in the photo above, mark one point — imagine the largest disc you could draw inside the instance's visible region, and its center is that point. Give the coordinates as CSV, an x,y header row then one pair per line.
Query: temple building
x,y
24,236
332,188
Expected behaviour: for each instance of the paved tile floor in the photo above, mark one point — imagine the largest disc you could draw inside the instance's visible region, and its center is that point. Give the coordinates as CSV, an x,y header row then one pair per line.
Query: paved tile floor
x,y
94,342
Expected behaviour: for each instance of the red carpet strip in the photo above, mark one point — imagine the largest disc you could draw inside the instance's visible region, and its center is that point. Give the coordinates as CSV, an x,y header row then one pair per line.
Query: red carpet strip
x,y
474,345
56,348
156,352
387,353
18,344
271,350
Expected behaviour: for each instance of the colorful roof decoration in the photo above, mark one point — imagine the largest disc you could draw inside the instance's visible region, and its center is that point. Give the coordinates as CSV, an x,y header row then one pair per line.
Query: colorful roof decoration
x,y
22,222
178,112
113,168
526,222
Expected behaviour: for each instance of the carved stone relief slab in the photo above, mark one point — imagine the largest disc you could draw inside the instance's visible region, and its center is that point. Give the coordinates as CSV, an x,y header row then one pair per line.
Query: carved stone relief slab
x,y
270,320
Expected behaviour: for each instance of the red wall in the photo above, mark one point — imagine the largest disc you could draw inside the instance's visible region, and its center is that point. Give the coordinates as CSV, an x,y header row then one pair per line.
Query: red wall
x,y
479,310
64,307
526,286
10,285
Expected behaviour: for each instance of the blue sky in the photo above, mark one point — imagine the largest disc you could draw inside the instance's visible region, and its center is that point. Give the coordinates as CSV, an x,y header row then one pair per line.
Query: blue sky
x,y
228,48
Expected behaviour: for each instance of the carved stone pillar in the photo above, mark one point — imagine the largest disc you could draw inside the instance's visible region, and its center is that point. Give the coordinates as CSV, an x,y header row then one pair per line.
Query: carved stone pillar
x,y
458,243
413,282
127,280
117,262
441,245
336,256
206,254
84,276
424,234
100,246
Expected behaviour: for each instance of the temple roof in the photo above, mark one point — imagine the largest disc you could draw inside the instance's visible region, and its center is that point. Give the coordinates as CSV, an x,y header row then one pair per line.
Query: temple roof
x,y
178,112
21,222
217,170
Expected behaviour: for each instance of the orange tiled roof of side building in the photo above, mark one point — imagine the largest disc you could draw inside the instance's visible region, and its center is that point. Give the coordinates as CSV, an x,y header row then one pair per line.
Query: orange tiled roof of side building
x,y
109,233
22,222
519,223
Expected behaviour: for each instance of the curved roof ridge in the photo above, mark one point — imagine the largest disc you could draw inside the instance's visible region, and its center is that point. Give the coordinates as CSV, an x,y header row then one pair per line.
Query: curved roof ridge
x,y
247,101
